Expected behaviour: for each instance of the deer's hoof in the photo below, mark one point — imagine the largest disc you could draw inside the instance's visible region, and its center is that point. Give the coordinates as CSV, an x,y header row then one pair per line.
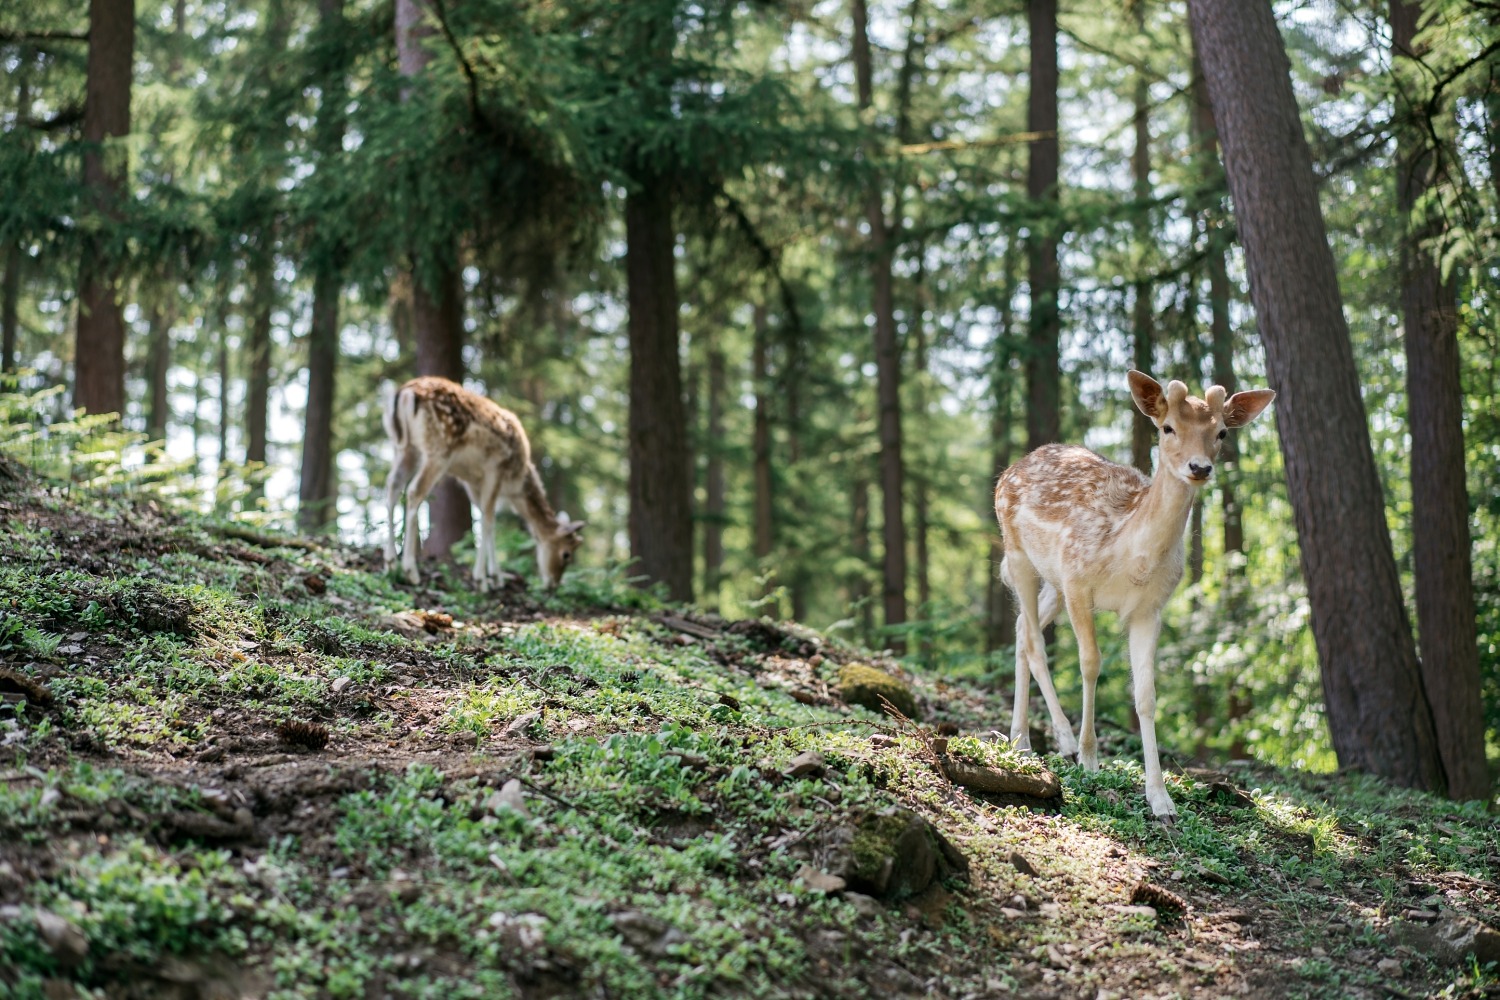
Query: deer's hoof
x,y
1088,761
413,575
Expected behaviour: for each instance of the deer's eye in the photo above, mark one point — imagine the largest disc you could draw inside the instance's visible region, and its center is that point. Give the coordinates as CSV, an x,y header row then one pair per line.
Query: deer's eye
x,y
1223,434
1167,429
567,557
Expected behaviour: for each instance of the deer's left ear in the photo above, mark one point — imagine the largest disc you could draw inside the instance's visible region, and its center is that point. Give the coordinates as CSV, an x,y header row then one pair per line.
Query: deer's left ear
x,y
572,527
1243,407
1148,395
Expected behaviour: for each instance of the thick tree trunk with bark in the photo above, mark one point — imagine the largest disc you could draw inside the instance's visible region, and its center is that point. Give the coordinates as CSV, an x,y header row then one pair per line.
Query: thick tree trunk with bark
x,y
887,356
1043,371
1142,430
661,512
1440,499
317,489
437,306
1377,712
99,357
10,292
859,545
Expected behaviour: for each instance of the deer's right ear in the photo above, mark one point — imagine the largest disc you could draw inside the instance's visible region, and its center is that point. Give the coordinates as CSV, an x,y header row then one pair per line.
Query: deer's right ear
x,y
1148,395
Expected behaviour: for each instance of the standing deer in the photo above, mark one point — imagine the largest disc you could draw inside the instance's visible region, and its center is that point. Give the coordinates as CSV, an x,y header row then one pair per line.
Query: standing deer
x,y
1085,533
440,428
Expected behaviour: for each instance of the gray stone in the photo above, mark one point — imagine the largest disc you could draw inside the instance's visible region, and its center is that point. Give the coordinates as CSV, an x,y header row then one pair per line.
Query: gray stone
x,y
892,854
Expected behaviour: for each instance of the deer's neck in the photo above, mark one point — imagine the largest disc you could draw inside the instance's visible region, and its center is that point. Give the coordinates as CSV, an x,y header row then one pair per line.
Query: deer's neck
x,y
532,505
1159,521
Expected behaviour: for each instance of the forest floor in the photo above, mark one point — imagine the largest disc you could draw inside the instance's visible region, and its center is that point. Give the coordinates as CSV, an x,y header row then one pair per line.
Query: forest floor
x,y
590,794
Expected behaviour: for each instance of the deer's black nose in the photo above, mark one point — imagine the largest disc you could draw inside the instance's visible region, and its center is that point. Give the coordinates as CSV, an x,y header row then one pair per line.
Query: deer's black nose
x,y
1200,471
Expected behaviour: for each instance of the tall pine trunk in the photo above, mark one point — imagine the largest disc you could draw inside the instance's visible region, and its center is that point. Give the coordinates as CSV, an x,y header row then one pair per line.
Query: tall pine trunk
x,y
158,364
660,487
887,356
1142,430
999,604
715,485
1221,335
316,488
1043,370
437,306
10,291
99,356
761,446
258,356
1440,499
1377,712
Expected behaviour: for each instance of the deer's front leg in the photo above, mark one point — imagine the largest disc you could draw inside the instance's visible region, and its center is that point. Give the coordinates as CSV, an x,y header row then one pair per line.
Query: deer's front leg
x,y
1143,634
1062,730
395,484
1081,614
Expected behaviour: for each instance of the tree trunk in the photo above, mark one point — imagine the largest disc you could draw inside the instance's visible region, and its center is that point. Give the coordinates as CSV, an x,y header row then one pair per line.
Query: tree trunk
x,y
10,308
258,356
715,481
99,358
1043,371
1440,499
887,357
317,489
11,292
437,305
761,440
1221,335
223,365
1000,606
1142,430
859,545
1377,713
660,488
158,364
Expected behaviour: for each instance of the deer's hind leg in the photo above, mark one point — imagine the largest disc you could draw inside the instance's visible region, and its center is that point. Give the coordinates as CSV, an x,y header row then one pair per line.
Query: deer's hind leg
x,y
1038,601
395,485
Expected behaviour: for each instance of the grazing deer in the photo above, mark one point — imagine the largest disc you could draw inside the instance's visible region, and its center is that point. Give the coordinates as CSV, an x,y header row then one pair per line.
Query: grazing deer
x,y
440,428
1084,533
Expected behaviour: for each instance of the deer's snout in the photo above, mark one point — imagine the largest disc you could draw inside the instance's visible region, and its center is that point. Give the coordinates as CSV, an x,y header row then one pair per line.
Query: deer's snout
x,y
1200,470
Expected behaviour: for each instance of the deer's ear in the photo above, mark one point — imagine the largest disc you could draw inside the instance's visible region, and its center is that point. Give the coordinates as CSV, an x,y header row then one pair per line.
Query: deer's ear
x,y
572,527
1243,407
1148,395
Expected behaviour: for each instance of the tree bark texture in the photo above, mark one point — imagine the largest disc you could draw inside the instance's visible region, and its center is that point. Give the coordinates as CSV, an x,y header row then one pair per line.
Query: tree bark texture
x,y
1440,501
1142,430
99,357
1043,371
437,305
1377,713
660,487
317,489
887,357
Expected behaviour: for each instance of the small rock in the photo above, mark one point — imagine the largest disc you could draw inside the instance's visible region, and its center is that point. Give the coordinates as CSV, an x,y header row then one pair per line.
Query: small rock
x,y
521,723
50,797
882,741
819,881
868,907
1213,877
509,796
1424,916
466,737
524,932
1020,864
544,752
70,649
729,701
1389,966
62,937
340,683
1238,916
809,762
1135,911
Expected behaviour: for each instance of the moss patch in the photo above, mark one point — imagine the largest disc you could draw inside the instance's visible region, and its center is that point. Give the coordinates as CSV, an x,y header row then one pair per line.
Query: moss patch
x,y
860,684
